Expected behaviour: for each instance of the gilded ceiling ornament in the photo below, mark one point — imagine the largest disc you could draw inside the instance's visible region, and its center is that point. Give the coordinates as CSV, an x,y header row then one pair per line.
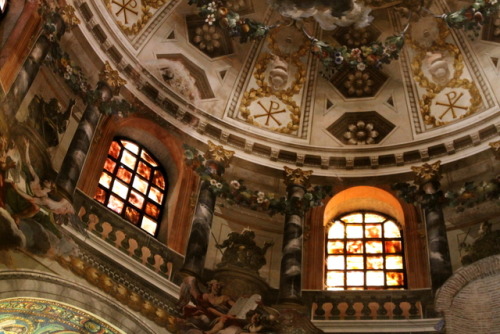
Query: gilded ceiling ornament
x,y
69,17
125,10
219,154
297,176
111,77
427,173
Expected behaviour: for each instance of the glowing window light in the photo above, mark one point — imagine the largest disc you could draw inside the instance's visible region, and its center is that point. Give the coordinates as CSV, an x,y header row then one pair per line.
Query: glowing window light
x,y
130,176
367,248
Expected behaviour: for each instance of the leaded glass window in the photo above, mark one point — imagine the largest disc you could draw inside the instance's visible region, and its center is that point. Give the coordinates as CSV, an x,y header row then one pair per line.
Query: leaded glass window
x,y
364,250
133,185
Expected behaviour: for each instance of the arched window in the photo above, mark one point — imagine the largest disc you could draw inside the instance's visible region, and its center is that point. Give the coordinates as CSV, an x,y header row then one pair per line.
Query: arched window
x,y
364,250
132,184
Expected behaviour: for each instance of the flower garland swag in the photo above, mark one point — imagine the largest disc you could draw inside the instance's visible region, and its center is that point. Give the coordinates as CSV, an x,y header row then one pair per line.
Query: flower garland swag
x,y
236,192
60,61
336,57
470,195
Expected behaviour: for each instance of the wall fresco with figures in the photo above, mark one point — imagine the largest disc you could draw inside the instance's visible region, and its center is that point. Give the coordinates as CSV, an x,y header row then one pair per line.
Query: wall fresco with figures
x,y
37,316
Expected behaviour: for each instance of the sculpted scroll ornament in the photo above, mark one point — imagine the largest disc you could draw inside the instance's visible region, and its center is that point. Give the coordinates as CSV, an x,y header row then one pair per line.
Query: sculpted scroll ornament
x,y
297,176
218,153
427,173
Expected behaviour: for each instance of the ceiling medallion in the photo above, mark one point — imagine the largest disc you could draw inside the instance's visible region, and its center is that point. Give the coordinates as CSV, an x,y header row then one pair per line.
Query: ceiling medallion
x,y
438,68
344,13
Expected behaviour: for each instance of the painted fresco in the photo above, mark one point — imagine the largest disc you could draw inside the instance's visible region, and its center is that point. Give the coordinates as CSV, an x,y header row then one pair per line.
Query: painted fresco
x,y
37,316
31,207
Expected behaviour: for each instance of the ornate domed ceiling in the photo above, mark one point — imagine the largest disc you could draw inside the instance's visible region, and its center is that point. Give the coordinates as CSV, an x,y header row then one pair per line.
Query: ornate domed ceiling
x,y
275,102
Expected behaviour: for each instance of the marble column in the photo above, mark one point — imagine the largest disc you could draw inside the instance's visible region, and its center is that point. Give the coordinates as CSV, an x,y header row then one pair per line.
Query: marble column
x,y
71,168
427,178
217,159
57,23
290,289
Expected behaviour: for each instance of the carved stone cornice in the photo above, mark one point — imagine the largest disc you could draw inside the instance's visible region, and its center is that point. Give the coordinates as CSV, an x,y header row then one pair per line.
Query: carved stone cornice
x,y
297,176
111,78
219,154
427,172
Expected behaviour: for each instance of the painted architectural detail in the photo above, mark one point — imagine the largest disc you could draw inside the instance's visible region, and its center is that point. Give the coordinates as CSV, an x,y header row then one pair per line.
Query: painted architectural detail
x,y
132,15
297,176
111,77
447,89
427,172
37,316
219,154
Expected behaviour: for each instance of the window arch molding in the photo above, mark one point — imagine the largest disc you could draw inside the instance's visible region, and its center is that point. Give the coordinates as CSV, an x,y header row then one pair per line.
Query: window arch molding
x,y
168,150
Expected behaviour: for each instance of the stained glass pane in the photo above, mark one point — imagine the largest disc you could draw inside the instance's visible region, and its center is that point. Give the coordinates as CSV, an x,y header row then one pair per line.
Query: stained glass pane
x,y
148,225
128,159
335,262
355,278
140,184
336,231
115,204
394,278
124,174
114,150
109,165
373,231
354,231
148,158
374,262
373,218
152,210
391,230
393,262
130,146
132,215
120,189
335,279
393,247
159,180
100,195
375,278
105,180
136,199
374,247
335,247
354,218
355,246
355,262
155,194
144,170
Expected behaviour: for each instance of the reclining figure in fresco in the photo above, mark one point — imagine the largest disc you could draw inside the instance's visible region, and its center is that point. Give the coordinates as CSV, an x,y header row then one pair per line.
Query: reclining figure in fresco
x,y
212,312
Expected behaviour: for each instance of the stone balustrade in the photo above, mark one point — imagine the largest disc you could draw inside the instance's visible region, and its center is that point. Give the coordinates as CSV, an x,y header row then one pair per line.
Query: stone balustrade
x,y
370,304
126,237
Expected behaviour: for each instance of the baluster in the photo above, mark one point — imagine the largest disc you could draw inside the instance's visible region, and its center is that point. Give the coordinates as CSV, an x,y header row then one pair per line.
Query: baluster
x,y
319,313
366,312
414,310
382,312
350,311
397,312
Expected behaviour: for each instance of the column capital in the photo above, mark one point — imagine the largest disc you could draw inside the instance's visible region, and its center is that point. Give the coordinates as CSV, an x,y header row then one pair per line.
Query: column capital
x,y
219,154
111,77
297,176
69,17
427,173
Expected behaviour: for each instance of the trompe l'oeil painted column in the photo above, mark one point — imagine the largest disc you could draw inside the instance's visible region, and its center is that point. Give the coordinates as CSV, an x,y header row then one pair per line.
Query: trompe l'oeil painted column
x,y
109,85
217,160
290,289
427,178
55,25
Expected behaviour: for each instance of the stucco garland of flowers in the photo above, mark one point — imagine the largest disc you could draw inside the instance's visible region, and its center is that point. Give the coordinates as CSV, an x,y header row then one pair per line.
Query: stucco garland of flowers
x,y
469,18
468,196
235,192
61,63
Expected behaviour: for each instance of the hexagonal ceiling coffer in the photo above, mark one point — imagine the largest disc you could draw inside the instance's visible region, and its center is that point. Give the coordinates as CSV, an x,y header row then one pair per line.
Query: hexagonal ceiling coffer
x,y
355,84
354,38
361,128
212,40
